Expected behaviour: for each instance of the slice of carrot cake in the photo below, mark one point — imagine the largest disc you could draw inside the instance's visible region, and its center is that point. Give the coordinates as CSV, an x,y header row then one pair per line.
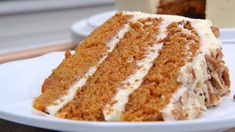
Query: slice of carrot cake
x,y
139,67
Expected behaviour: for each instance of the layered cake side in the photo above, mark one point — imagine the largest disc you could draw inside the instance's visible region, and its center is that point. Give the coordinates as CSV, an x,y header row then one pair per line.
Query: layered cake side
x,y
139,67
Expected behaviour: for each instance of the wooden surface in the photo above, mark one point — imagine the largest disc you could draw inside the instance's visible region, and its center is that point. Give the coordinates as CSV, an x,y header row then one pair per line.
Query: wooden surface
x,y
29,53
7,126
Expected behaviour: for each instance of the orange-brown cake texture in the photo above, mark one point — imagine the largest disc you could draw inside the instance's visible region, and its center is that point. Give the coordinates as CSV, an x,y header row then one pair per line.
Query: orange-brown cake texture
x,y
139,67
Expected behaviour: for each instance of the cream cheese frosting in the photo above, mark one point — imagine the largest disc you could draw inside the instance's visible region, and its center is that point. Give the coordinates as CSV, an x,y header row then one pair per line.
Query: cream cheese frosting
x,y
194,103
113,112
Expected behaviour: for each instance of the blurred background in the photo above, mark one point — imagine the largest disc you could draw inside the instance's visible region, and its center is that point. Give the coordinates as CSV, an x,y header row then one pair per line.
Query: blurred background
x,y
26,24
29,28
36,24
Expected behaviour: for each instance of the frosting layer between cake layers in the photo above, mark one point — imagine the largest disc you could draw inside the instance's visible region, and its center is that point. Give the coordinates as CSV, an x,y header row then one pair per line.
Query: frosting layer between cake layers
x,y
141,87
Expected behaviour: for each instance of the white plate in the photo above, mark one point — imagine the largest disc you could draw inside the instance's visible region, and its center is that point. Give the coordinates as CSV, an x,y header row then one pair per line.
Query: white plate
x,y
20,82
82,28
98,19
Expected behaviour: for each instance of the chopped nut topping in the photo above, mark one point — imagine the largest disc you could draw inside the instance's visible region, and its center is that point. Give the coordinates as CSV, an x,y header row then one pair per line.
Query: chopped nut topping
x,y
219,73
216,31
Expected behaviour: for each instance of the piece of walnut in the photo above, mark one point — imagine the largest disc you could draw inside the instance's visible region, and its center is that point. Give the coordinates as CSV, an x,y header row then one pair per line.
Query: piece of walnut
x,y
216,31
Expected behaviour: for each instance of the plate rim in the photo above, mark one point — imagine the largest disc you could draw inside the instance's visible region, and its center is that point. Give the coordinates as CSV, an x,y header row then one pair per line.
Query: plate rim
x,y
53,123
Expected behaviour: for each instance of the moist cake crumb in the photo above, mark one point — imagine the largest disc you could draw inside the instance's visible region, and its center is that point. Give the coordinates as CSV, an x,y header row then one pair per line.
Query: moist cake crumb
x,y
139,67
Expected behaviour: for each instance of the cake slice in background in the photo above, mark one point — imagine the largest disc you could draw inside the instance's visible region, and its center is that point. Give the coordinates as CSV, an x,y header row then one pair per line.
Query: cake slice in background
x,y
139,67
218,11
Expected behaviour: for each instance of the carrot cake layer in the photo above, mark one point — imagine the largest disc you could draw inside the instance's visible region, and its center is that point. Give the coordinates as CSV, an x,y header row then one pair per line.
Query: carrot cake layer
x,y
120,64
139,67
180,46
87,54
